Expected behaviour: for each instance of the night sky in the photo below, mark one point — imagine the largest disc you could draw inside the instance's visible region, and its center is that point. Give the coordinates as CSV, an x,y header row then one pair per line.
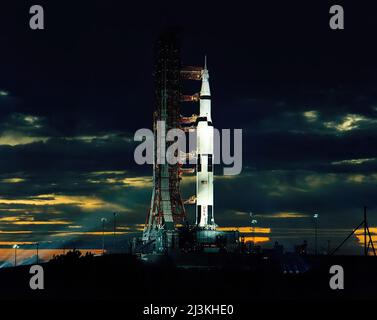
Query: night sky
x,y
73,95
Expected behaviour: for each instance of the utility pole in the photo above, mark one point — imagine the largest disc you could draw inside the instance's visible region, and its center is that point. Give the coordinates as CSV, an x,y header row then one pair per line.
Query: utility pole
x,y
316,232
103,220
115,228
253,223
15,247
365,232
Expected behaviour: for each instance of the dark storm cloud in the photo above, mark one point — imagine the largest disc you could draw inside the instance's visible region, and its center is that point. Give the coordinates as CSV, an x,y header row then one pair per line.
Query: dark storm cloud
x,y
82,154
283,150
299,191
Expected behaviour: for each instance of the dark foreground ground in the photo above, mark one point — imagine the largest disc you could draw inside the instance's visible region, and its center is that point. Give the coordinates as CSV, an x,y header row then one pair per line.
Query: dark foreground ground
x,y
220,278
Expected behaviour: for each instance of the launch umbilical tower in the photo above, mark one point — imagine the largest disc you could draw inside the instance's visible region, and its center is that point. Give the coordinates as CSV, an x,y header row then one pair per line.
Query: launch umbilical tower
x,y
166,209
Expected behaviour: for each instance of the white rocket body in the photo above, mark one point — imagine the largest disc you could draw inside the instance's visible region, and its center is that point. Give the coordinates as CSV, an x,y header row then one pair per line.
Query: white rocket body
x,y
204,173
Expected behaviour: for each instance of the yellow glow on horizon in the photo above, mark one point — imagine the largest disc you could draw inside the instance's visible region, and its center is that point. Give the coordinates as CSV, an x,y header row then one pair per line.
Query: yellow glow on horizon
x,y
245,229
7,254
255,239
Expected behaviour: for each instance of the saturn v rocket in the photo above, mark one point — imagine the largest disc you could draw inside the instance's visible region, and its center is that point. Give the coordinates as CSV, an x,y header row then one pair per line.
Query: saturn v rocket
x,y
204,144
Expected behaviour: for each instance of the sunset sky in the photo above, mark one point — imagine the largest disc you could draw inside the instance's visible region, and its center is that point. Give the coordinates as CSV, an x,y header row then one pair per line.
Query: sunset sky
x,y
73,95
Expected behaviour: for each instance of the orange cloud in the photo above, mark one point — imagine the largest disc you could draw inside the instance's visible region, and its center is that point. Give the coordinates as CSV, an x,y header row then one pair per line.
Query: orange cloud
x,y
88,233
50,222
372,230
16,232
88,203
11,243
30,220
